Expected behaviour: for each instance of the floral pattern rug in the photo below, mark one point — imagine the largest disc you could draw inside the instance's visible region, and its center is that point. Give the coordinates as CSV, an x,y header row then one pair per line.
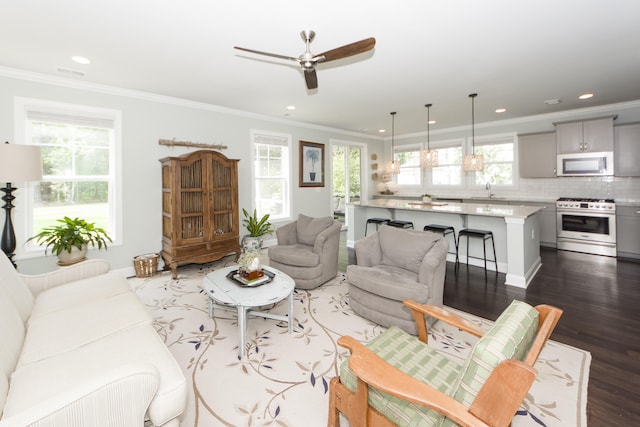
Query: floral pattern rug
x,y
284,379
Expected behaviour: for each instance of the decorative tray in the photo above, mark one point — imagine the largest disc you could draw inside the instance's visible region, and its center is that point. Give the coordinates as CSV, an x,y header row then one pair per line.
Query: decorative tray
x,y
234,276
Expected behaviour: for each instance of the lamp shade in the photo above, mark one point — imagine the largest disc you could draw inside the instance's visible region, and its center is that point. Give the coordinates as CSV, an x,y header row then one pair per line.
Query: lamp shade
x,y
20,163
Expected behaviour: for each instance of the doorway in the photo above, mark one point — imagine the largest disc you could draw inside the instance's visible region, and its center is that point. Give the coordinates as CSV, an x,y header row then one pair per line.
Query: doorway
x,y
346,185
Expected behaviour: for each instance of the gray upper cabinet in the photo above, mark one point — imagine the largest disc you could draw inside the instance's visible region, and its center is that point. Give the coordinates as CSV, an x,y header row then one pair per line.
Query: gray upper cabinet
x,y
627,150
537,154
585,136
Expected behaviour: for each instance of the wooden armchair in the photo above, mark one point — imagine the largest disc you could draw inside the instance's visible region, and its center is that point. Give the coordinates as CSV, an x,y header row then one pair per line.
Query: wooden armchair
x,y
396,379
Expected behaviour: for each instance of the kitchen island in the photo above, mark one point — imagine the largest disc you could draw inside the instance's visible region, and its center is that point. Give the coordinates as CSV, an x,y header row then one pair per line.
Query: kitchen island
x,y
516,230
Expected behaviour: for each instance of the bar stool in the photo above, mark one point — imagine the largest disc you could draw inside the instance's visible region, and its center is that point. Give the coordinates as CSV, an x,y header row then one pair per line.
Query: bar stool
x,y
400,224
479,234
444,230
376,221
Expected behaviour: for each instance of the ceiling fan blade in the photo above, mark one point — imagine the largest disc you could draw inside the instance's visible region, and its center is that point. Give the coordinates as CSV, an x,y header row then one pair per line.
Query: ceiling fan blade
x,y
274,55
311,78
348,50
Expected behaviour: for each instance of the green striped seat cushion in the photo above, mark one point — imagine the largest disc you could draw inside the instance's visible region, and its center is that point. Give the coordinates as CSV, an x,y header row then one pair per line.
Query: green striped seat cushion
x,y
413,357
510,337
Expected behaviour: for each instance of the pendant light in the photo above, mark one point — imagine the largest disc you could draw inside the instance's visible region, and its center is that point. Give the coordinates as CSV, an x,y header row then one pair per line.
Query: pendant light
x,y
473,162
393,167
428,157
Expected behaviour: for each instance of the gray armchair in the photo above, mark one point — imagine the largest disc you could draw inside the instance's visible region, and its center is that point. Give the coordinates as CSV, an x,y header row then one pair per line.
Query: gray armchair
x,y
307,250
393,265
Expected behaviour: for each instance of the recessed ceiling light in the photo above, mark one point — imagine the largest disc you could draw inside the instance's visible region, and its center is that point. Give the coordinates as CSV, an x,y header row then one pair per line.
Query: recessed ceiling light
x,y
81,60
432,122
381,130
585,96
291,107
501,110
552,101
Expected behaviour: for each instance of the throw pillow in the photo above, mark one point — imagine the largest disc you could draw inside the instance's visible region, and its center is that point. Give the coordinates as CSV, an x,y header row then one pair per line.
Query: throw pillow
x,y
405,248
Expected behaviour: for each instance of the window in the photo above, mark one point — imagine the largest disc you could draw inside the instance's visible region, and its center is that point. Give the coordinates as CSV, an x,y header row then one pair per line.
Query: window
x,y
410,173
271,174
498,152
449,169
79,164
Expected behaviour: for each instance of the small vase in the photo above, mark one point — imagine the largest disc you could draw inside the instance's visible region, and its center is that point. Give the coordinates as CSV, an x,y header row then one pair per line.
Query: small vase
x,y
251,243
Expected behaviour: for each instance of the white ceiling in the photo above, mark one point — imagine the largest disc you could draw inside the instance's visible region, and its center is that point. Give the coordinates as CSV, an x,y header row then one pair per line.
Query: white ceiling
x,y
514,54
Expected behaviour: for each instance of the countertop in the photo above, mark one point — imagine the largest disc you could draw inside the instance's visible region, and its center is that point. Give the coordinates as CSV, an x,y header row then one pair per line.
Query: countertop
x,y
478,209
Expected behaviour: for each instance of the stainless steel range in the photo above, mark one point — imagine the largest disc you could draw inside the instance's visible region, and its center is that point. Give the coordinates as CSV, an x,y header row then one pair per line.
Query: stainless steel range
x,y
587,225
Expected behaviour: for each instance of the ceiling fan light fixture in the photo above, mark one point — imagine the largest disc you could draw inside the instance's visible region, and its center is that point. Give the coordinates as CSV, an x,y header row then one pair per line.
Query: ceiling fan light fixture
x,y
473,162
393,167
428,157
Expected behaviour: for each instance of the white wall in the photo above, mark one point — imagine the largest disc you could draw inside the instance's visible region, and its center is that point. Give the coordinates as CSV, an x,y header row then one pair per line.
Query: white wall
x,y
146,119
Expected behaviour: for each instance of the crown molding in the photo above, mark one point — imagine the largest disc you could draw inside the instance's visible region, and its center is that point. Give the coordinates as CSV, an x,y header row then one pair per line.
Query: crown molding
x,y
69,83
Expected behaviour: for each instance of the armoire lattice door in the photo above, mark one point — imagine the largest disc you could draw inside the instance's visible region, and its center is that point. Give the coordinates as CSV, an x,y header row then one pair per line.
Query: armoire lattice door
x,y
199,208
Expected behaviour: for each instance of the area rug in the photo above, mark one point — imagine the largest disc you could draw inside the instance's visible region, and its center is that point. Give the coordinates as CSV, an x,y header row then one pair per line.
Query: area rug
x,y
284,379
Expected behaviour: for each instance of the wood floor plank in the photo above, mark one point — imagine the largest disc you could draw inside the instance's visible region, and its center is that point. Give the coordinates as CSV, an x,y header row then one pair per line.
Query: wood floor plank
x,y
600,297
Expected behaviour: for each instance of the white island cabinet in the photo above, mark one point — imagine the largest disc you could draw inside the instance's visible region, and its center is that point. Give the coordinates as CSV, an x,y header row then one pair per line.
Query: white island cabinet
x,y
516,230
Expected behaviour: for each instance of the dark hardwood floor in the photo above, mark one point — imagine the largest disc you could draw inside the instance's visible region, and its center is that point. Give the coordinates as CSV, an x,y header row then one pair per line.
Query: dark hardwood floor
x,y
600,297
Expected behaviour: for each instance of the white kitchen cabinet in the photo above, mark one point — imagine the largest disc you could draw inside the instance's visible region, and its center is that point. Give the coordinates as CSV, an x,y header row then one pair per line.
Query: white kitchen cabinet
x,y
626,150
585,136
628,231
537,154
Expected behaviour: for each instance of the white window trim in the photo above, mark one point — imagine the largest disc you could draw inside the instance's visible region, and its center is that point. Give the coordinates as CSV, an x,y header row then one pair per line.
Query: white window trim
x,y
447,143
490,140
23,219
404,149
289,201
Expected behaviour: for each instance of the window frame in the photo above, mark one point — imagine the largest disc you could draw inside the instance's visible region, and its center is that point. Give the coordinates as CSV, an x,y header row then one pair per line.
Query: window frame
x,y
496,139
409,148
25,220
286,175
448,143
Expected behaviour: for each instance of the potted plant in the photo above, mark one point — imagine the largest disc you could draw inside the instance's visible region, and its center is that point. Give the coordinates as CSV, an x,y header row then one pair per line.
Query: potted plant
x,y
313,156
69,240
426,198
256,228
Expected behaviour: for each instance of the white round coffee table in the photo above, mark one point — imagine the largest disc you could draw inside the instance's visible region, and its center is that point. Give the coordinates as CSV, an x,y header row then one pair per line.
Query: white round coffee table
x,y
226,294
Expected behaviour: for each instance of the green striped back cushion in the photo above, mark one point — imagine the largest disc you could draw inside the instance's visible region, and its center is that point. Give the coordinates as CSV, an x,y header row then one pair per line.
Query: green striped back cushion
x,y
510,338
413,357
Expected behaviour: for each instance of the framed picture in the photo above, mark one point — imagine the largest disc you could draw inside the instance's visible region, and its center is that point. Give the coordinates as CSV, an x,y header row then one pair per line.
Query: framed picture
x,y
311,164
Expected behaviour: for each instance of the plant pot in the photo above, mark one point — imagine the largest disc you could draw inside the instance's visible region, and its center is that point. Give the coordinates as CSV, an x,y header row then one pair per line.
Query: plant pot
x,y
76,255
426,200
251,243
312,176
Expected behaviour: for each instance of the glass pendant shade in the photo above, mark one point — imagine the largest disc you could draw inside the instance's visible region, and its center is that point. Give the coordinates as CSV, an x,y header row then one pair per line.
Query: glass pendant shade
x,y
473,162
428,157
393,167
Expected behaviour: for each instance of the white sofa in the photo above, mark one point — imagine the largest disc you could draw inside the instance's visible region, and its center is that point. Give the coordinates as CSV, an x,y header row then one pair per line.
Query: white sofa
x,y
79,349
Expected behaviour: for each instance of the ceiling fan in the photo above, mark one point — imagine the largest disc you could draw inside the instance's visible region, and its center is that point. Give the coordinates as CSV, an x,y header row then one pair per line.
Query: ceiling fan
x,y
308,60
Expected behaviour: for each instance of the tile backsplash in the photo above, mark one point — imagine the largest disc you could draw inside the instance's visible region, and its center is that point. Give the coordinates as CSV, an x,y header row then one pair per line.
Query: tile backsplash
x,y
621,189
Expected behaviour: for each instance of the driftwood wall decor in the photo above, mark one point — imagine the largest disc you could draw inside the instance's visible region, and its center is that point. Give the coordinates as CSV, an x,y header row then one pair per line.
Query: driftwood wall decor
x,y
173,142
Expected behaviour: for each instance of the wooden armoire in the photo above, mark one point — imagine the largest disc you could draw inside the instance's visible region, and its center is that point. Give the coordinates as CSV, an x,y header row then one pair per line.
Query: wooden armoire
x,y
199,208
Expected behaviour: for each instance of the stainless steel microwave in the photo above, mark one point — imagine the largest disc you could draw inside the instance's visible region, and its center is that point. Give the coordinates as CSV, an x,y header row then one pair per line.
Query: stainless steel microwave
x,y
585,164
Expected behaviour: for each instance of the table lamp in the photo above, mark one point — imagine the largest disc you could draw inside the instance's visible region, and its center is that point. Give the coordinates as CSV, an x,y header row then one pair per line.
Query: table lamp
x,y
18,163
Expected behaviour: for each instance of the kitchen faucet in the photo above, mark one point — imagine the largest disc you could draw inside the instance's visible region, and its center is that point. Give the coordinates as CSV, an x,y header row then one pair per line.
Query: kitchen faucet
x,y
488,188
